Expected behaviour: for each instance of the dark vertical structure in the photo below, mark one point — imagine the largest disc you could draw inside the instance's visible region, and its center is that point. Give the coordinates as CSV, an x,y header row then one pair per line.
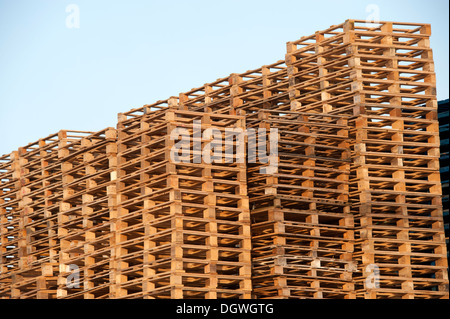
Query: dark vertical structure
x,y
443,161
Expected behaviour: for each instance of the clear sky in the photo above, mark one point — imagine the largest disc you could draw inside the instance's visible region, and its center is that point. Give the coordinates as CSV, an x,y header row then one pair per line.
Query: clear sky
x,y
125,54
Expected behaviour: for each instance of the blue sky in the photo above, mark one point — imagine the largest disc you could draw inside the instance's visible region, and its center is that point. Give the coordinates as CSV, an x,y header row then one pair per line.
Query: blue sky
x,y
129,53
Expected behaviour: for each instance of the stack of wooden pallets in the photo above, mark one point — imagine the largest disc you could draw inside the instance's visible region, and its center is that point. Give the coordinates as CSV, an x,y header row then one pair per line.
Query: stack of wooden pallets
x,y
88,168
397,191
183,226
10,220
302,229
30,226
175,203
